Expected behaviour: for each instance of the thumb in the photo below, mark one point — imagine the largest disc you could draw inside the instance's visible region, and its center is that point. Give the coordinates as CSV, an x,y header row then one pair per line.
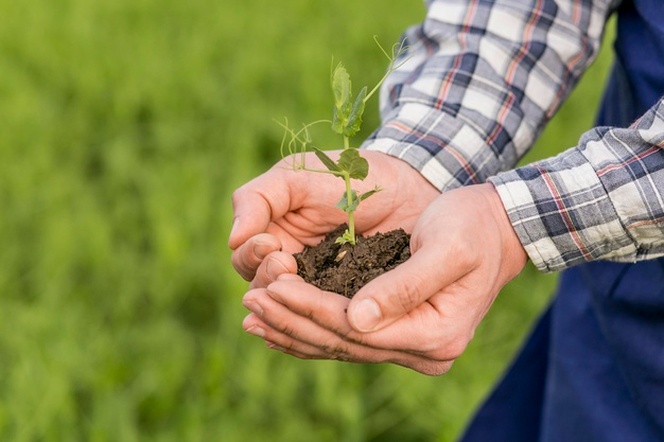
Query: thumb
x,y
255,204
251,216
395,293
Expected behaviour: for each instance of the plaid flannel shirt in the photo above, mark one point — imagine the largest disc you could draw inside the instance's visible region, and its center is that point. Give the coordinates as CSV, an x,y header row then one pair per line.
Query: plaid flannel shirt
x,y
482,79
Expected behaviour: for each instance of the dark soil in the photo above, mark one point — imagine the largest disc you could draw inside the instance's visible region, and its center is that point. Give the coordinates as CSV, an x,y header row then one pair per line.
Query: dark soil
x,y
344,269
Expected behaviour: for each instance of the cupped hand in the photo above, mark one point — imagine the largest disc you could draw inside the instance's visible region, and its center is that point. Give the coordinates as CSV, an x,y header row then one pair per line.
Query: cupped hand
x,y
285,210
422,314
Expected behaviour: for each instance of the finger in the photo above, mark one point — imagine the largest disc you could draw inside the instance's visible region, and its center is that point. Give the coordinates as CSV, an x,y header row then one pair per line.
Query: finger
x,y
247,258
325,309
300,333
247,224
290,330
425,332
290,277
273,267
255,204
280,317
287,237
253,325
287,344
277,324
395,293
302,337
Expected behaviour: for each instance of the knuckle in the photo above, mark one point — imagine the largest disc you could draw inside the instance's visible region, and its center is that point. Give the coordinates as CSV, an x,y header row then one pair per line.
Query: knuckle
x,y
342,355
453,348
246,259
336,348
466,257
239,264
445,344
288,330
237,195
235,198
408,293
456,348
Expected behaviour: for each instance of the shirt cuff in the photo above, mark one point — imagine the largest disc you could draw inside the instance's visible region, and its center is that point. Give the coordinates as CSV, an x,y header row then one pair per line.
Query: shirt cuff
x,y
562,213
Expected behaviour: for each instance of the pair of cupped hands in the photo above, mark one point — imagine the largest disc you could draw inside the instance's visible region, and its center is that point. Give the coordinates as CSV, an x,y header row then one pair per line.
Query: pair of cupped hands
x,y
420,315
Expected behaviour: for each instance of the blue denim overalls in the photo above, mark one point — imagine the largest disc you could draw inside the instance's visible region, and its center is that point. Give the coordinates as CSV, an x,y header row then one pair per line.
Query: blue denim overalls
x,y
593,367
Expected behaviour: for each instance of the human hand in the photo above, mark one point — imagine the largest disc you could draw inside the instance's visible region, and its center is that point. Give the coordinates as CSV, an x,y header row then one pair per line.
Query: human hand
x,y
283,210
422,314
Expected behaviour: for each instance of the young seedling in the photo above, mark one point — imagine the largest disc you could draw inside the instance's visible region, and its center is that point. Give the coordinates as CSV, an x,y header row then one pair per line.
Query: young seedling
x,y
346,122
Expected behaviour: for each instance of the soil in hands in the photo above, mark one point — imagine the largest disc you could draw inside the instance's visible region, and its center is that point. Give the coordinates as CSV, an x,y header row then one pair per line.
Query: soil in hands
x,y
344,269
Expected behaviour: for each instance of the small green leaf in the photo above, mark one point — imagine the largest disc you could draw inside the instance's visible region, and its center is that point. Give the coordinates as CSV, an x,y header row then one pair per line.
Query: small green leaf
x,y
341,86
351,162
355,118
347,206
366,195
327,161
342,203
338,122
345,238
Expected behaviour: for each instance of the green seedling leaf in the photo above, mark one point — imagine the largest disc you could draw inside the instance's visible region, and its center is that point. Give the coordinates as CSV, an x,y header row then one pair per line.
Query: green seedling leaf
x,y
351,162
347,237
366,195
355,201
355,118
341,86
338,122
349,206
327,161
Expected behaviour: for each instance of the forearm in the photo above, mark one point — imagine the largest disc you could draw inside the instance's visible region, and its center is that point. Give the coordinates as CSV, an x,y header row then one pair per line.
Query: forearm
x,y
602,200
482,79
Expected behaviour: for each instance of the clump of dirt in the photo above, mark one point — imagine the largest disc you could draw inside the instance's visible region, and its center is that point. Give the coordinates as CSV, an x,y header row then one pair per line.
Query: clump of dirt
x,y
343,268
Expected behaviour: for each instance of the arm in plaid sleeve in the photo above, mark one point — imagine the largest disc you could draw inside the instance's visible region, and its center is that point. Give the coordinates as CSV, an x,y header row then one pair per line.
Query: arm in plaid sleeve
x,y
601,200
482,79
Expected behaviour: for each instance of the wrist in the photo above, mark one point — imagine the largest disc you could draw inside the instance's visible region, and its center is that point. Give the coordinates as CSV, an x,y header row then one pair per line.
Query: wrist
x,y
513,251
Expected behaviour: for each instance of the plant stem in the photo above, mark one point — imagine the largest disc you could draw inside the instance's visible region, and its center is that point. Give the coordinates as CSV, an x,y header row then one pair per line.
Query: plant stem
x,y
349,198
351,217
351,228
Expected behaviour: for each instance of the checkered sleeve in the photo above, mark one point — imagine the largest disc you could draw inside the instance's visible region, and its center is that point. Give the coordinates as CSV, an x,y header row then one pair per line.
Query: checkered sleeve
x,y
601,200
481,79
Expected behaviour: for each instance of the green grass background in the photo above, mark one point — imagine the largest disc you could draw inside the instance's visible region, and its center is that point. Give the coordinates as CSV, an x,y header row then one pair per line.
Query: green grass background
x,y
124,127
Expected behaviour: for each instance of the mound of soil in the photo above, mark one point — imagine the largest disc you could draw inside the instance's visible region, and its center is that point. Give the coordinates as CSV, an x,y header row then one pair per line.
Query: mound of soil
x,y
343,268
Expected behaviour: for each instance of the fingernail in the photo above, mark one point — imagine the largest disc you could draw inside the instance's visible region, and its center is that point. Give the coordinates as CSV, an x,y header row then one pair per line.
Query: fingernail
x,y
235,223
366,315
261,249
274,268
253,307
256,331
273,346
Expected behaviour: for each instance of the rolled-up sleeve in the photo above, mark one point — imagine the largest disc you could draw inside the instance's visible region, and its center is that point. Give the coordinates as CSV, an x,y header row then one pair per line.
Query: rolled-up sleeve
x,y
601,200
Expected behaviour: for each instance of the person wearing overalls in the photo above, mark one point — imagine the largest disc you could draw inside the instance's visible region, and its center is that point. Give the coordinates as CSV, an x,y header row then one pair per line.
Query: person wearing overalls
x,y
593,368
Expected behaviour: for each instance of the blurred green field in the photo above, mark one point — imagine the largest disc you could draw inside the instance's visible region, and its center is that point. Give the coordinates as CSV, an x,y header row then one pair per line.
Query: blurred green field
x,y
125,127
